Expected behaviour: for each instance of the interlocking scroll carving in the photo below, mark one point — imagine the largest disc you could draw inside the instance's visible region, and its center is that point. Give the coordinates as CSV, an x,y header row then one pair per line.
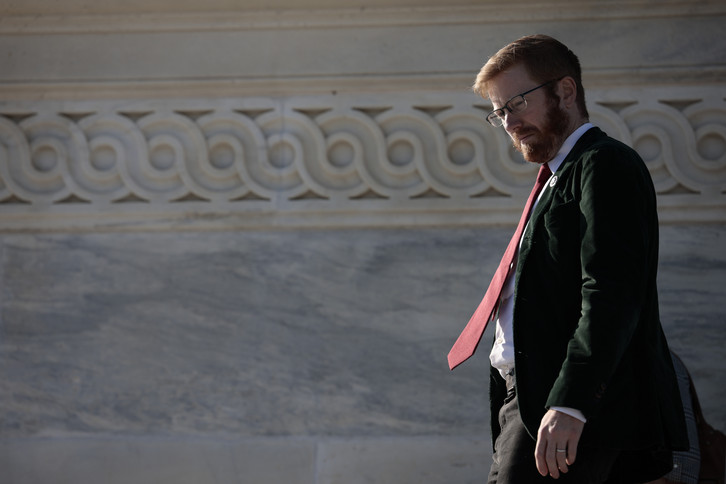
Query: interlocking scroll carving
x,y
326,154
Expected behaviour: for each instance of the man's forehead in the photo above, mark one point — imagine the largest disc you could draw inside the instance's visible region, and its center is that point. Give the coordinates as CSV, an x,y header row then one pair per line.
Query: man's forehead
x,y
508,84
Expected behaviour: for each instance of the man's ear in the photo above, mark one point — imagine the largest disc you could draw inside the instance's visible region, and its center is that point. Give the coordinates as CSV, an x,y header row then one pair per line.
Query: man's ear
x,y
568,91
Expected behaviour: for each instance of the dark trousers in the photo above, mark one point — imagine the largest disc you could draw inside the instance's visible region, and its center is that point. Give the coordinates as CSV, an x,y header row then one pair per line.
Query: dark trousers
x,y
513,459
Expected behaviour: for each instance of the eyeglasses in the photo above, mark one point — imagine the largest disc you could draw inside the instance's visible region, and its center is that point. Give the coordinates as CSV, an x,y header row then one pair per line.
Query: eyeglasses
x,y
515,105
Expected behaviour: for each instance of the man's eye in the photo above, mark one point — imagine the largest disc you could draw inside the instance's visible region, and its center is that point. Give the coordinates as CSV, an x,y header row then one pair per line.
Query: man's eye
x,y
516,103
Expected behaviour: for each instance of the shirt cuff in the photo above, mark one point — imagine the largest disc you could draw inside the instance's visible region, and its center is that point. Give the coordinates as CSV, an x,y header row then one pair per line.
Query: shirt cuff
x,y
572,412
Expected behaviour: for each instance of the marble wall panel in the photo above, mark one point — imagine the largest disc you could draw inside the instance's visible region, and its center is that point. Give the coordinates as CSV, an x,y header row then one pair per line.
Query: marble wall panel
x,y
318,334
411,460
253,333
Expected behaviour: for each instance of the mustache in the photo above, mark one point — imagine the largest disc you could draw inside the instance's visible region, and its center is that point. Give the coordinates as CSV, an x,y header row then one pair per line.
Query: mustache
x,y
523,133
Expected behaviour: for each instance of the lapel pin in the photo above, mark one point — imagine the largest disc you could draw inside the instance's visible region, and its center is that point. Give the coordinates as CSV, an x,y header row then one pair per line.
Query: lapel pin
x,y
553,181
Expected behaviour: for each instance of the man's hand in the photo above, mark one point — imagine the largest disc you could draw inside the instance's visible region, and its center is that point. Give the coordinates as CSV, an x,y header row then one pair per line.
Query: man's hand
x,y
557,431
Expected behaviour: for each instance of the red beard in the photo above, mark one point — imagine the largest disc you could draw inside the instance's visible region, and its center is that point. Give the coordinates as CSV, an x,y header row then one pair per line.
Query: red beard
x,y
544,144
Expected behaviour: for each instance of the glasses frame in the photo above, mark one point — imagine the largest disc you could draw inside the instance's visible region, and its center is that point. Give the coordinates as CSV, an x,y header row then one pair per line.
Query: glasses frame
x,y
496,117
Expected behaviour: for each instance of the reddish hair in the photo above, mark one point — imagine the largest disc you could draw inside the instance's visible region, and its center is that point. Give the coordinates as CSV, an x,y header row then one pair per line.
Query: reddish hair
x,y
544,58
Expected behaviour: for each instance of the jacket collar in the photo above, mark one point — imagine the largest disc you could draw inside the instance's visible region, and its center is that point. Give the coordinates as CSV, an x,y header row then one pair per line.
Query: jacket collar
x,y
587,139
568,145
582,144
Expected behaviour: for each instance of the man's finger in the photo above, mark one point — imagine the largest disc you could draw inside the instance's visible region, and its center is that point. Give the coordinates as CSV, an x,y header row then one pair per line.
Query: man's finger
x,y
539,455
572,452
551,457
561,456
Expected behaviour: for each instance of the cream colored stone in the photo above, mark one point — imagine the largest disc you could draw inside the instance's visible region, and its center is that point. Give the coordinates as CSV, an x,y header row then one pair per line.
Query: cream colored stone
x,y
164,319
404,461
335,160
157,461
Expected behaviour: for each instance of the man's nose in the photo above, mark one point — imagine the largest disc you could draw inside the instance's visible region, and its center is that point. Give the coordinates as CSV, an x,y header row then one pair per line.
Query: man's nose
x,y
511,121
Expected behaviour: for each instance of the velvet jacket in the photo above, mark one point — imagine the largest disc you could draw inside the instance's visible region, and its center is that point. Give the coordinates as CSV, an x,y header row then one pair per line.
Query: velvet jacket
x,y
586,328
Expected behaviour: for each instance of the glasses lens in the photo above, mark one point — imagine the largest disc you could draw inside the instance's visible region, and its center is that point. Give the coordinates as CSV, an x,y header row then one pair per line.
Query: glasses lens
x,y
494,119
518,104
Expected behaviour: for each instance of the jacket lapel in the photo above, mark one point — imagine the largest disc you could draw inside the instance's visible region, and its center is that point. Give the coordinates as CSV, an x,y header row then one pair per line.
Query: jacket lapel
x,y
564,170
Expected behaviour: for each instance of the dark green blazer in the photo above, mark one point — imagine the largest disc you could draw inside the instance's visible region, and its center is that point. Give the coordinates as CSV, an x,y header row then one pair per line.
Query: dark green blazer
x,y
587,334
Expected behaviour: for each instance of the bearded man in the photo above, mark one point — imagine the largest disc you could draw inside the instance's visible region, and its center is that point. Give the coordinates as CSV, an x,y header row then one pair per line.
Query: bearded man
x,y
582,384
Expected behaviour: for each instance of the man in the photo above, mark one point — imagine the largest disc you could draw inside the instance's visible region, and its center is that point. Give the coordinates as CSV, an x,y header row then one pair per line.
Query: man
x,y
582,384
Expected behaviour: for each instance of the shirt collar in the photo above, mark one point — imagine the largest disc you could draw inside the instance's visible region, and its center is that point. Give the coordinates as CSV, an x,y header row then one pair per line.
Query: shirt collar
x,y
567,146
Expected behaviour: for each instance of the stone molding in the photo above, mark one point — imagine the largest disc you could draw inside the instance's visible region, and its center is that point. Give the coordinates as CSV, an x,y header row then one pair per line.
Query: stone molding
x,y
311,161
80,21
18,93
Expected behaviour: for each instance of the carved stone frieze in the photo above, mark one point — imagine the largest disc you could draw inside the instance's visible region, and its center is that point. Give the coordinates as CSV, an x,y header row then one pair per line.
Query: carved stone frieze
x,y
324,160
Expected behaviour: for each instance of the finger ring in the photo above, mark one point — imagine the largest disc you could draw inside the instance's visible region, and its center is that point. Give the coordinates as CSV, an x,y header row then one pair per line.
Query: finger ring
x,y
561,450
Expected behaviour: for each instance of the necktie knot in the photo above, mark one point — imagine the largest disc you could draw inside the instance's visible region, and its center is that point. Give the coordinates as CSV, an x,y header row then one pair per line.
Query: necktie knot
x,y
544,174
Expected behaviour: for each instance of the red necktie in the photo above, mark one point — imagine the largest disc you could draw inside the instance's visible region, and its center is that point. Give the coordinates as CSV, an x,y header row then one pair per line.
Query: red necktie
x,y
469,339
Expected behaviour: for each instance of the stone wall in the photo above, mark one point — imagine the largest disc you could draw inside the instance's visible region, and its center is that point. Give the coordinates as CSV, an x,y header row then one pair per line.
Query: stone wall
x,y
236,244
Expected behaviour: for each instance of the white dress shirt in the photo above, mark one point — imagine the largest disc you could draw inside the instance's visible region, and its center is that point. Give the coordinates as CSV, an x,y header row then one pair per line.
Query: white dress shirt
x,y
502,354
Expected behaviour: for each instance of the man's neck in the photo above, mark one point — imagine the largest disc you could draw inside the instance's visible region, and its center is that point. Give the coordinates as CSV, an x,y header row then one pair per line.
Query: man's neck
x,y
567,145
